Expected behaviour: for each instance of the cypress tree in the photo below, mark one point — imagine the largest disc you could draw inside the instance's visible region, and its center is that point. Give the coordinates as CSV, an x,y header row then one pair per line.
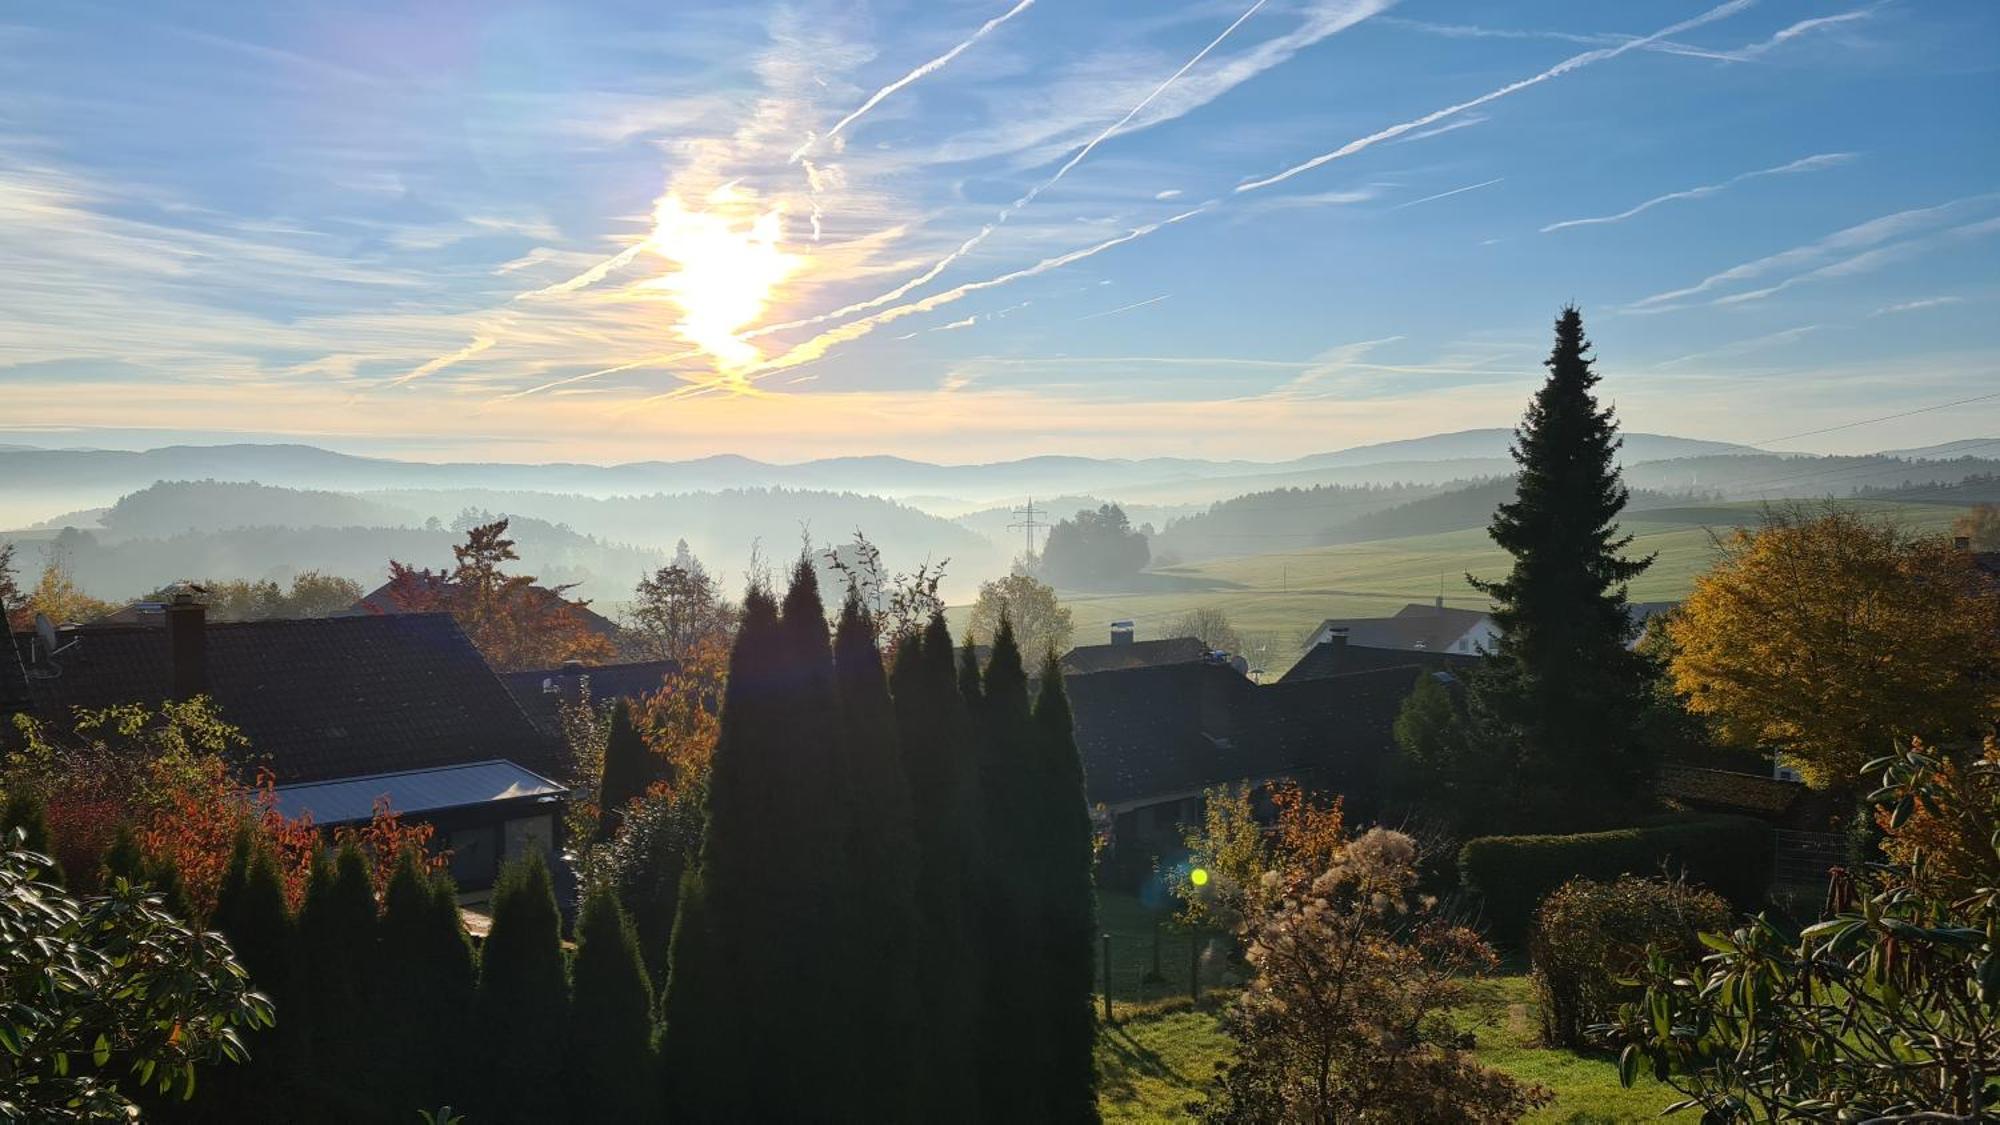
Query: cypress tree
x,y
25,811
609,1050
1013,1080
880,898
523,1000
250,911
1561,697
629,768
938,760
425,977
1069,906
337,932
164,876
707,1048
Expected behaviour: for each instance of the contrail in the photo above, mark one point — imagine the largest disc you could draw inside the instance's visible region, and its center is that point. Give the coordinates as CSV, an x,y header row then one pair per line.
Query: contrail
x,y
1448,194
1126,308
817,346
966,247
591,276
1574,62
1808,164
649,361
928,68
478,344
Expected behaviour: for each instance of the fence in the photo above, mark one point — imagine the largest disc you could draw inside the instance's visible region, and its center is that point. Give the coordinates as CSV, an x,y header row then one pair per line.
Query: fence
x,y
1144,955
1804,859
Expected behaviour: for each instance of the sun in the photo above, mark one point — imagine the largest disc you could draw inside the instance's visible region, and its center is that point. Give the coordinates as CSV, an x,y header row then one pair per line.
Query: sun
x,y
729,261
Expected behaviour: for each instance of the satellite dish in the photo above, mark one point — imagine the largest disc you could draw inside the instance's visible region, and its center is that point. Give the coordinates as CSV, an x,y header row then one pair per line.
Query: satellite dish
x,y
45,631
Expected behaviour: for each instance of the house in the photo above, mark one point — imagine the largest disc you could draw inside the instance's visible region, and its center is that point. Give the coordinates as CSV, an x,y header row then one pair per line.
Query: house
x,y
342,711
1125,652
543,693
382,600
1416,628
1154,739
1338,655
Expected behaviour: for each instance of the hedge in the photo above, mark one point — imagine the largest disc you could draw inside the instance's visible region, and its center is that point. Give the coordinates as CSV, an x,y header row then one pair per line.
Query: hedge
x,y
1510,875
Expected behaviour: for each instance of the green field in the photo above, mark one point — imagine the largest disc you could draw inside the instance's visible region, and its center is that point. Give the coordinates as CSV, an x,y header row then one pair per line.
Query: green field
x,y
1284,594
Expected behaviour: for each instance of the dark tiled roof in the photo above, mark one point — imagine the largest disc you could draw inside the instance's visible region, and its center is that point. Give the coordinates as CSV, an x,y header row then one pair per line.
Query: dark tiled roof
x,y
1415,626
1333,659
1085,659
542,693
1177,729
381,601
318,699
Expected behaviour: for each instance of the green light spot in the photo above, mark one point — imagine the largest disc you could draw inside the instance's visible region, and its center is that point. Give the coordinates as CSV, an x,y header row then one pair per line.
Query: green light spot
x,y
1199,877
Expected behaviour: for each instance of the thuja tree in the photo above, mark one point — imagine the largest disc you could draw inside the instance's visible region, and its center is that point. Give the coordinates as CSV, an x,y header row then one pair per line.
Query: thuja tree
x,y
879,901
425,973
608,1049
629,768
1887,1010
1561,697
938,760
1066,920
336,949
523,1000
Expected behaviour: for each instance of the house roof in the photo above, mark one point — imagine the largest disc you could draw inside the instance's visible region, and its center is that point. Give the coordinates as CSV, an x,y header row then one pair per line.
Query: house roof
x,y
317,698
1333,659
1174,729
1417,626
1085,659
380,600
542,692
1727,791
349,799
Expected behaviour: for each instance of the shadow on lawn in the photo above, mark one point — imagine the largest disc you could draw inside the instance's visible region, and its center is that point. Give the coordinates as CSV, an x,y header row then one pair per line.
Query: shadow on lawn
x,y
1123,1057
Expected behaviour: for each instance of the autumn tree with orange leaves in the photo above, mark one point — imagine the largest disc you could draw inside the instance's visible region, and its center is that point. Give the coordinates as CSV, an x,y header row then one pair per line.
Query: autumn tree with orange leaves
x,y
1829,637
515,624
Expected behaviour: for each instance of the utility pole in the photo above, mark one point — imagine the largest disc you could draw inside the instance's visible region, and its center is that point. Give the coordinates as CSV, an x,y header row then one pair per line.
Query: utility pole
x,y
1028,523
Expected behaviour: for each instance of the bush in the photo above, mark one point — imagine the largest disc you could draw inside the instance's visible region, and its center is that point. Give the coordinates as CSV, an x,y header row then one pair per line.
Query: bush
x,y
1587,934
1511,874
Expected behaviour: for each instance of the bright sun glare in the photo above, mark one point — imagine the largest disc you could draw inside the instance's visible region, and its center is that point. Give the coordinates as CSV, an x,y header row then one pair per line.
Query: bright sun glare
x,y
729,262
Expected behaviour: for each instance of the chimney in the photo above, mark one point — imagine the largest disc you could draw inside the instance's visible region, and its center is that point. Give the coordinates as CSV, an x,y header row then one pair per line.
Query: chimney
x,y
187,646
1337,637
1440,603
1121,632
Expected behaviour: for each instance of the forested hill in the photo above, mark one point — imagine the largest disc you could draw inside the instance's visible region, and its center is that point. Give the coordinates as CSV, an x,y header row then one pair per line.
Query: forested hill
x,y
1277,520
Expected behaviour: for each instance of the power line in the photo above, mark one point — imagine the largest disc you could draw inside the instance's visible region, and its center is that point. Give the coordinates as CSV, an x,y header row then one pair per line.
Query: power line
x,y
1027,522
1883,418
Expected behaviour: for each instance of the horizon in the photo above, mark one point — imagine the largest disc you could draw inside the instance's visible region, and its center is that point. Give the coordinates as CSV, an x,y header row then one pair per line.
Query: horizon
x,y
1231,230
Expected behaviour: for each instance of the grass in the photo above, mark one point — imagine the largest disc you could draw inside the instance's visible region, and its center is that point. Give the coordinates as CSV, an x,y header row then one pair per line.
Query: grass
x,y
1288,592
1161,1050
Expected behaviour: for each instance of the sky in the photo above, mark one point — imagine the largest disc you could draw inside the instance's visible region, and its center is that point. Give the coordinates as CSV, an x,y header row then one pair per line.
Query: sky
x,y
968,230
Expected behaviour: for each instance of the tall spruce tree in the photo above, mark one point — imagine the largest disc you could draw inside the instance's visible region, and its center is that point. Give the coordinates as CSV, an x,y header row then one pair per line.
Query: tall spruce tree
x,y
608,1063
880,897
629,768
709,1055
523,1001
1014,1080
1562,695
1068,921
939,762
337,931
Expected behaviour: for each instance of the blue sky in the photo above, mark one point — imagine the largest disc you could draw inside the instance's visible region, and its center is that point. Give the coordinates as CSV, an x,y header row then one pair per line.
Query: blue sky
x,y
972,230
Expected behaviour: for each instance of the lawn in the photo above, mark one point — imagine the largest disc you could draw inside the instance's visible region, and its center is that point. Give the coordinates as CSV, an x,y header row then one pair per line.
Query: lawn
x,y
1287,592
1159,1057
1162,1050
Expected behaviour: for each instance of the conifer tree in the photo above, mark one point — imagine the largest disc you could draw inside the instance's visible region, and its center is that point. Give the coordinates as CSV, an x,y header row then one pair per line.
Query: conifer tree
x,y
629,768
608,1066
337,931
425,976
523,1001
164,876
123,859
1562,696
1013,1079
880,897
1067,924
250,911
707,1052
24,810
939,762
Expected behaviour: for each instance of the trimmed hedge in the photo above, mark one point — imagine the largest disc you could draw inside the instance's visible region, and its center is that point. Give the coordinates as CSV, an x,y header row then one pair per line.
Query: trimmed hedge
x,y
1731,855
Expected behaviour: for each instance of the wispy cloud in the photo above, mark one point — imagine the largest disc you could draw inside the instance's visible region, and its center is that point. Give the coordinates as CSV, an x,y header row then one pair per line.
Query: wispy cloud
x,y
1574,62
1449,194
1466,122
1474,31
1813,257
1817,163
1739,347
1803,27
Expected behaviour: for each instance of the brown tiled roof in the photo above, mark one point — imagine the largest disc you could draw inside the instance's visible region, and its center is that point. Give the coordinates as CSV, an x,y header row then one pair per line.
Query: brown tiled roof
x,y
381,601
318,699
1726,791
1085,659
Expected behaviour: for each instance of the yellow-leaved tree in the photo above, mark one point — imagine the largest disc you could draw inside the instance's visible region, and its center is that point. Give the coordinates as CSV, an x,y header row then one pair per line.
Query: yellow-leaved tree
x,y
1829,636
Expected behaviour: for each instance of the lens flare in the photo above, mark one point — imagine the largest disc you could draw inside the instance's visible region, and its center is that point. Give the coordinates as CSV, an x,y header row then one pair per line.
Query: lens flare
x,y
1199,877
729,261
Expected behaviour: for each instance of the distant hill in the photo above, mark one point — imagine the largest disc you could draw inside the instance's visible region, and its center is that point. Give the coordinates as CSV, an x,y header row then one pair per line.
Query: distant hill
x,y
1495,442
1968,447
